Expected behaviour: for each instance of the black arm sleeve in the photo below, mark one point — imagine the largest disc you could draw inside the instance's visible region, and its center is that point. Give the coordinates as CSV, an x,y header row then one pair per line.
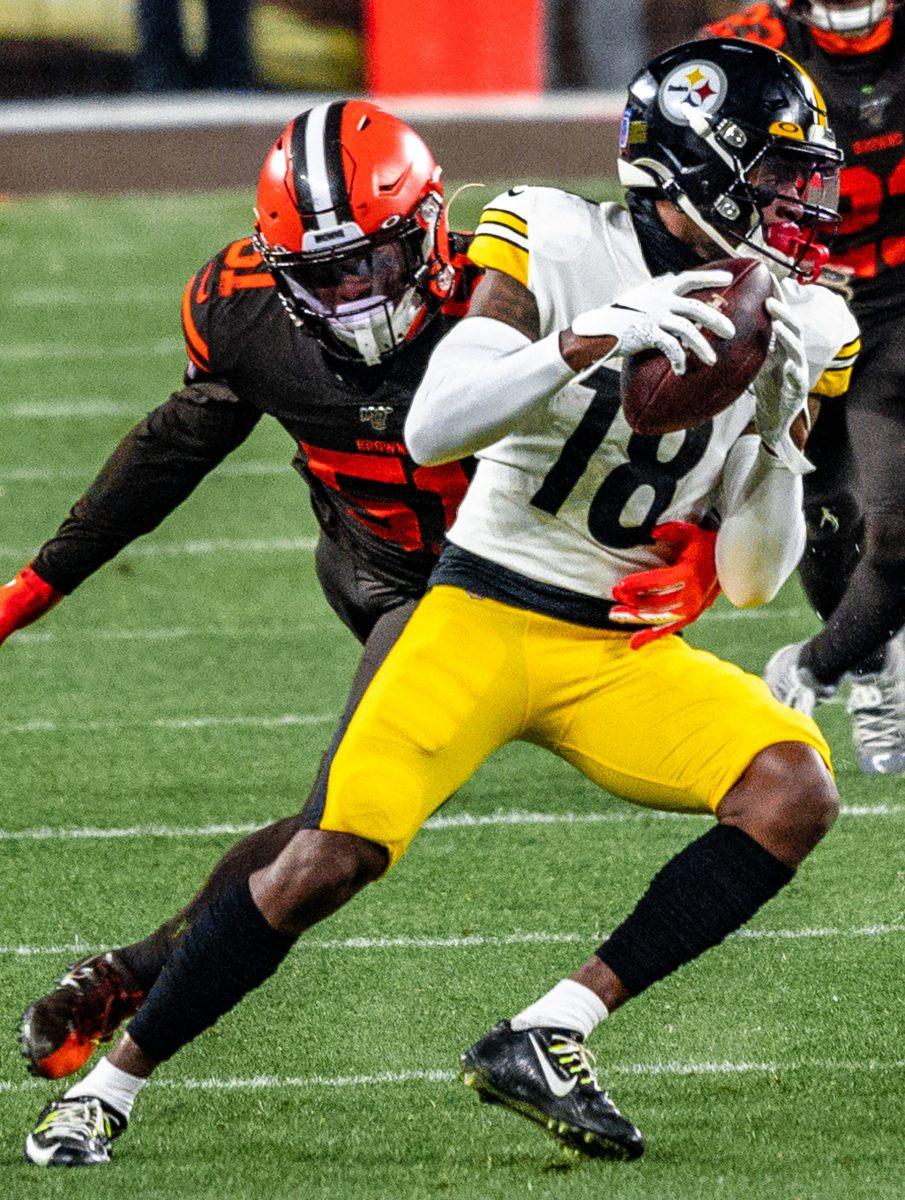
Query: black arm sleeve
x,y
152,470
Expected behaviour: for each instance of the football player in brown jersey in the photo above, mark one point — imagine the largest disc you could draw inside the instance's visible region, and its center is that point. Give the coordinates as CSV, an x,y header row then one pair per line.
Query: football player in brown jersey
x,y
323,320
854,566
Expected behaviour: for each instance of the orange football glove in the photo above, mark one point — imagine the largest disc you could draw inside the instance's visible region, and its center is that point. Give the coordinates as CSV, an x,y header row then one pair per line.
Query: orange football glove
x,y
23,600
669,598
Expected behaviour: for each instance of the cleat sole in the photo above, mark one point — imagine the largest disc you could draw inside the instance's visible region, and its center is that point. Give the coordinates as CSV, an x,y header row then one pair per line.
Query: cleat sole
x,y
582,1141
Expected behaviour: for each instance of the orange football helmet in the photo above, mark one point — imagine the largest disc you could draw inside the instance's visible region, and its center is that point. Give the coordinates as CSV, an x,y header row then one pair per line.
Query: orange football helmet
x,y
350,222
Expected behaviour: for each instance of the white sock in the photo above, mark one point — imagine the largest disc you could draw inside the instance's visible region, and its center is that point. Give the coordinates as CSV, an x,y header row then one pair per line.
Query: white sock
x,y
569,1005
115,1087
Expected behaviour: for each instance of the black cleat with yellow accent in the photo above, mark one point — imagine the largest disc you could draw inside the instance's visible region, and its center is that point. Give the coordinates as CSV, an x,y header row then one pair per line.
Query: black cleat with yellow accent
x,y
74,1133
548,1076
60,1031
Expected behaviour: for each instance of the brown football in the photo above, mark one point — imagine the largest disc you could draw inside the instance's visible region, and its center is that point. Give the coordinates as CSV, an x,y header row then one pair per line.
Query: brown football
x,y
657,401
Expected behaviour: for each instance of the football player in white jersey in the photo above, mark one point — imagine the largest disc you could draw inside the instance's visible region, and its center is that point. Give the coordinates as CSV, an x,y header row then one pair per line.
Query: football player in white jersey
x,y
727,151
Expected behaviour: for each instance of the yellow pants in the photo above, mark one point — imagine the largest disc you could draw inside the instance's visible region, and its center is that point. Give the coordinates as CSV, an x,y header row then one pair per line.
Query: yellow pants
x,y
667,726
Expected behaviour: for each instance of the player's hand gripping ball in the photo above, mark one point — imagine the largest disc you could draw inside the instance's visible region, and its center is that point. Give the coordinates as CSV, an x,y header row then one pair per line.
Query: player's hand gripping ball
x,y
655,400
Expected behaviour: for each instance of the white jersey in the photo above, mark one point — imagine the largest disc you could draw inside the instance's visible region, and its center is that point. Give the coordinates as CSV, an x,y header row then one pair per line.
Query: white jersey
x,y
569,497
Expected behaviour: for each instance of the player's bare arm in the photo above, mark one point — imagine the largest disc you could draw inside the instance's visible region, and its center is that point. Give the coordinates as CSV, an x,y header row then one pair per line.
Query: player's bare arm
x,y
503,298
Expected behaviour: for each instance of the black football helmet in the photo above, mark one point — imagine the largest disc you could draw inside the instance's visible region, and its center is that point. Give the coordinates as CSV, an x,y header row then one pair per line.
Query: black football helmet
x,y
736,136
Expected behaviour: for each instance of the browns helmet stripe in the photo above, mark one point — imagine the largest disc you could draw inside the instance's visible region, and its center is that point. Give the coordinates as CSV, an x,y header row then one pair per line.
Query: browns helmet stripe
x,y
318,168
299,169
333,155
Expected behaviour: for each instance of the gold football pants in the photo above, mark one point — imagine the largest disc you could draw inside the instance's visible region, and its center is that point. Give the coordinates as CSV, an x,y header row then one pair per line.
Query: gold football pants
x,y
667,726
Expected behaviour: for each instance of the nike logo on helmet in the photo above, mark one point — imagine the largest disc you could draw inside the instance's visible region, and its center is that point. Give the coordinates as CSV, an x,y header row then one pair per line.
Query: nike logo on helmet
x,y
558,1086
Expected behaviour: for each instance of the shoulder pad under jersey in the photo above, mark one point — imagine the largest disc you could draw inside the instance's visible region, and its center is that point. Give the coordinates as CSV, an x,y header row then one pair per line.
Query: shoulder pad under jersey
x,y
212,301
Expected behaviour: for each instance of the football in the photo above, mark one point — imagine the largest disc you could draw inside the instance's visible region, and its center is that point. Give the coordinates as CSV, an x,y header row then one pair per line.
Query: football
x,y
656,401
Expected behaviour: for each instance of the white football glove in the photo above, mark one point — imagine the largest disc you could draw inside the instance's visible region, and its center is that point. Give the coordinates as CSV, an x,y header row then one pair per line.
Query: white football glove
x,y
781,389
658,315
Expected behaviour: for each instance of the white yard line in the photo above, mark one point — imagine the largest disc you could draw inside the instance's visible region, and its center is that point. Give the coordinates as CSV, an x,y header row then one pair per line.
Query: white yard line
x,y
47,410
679,1070
479,941
49,474
283,721
469,821
79,351
40,637
55,297
196,547
49,833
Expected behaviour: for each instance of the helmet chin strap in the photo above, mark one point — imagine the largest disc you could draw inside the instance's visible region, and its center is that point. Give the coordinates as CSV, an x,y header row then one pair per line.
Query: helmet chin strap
x,y
648,173
755,248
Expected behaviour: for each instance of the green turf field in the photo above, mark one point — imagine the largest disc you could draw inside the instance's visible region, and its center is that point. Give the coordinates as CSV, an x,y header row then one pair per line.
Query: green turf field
x,y
194,684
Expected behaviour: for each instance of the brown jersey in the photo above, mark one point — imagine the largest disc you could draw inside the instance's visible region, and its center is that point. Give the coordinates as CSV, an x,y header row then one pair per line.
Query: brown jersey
x,y
248,359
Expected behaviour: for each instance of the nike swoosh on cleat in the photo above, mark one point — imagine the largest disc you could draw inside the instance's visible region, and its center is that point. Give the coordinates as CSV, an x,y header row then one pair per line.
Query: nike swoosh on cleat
x,y
559,1087
39,1155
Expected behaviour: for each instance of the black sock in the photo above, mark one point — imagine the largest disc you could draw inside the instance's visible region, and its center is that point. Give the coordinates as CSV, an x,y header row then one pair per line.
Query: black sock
x,y
701,896
146,959
229,950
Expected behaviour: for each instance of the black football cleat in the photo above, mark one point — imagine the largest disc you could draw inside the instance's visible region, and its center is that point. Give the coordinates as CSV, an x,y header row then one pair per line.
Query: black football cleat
x,y
60,1031
74,1133
548,1076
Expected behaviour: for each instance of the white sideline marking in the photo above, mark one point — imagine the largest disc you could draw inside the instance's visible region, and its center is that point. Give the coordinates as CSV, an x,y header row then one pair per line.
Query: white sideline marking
x,y
195,547
678,1070
479,941
34,410
48,474
34,351
175,112
286,720
50,833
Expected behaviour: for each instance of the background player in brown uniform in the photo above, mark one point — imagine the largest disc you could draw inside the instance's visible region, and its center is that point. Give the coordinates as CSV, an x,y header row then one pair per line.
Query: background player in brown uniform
x,y
324,320
854,566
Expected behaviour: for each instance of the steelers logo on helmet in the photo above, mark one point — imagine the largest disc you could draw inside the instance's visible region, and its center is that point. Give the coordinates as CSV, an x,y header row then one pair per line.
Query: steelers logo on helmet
x,y
693,87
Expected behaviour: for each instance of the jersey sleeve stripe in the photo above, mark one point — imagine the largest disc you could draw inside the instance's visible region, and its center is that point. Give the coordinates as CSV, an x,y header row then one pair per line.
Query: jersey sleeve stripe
x,y
195,359
194,341
499,254
850,350
502,216
833,382
492,229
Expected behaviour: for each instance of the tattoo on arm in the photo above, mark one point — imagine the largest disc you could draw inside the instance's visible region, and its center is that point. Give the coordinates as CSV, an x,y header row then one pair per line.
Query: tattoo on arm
x,y
503,298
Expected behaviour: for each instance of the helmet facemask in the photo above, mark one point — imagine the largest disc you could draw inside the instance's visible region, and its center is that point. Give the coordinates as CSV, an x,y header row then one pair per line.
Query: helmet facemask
x,y
847,18
781,201
364,296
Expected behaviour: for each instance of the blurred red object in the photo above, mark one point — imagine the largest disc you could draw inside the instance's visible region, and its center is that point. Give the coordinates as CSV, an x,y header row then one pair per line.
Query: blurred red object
x,y
467,48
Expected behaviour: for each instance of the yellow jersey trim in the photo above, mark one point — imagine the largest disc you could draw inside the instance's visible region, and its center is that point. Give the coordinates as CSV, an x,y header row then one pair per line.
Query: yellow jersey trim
x,y
833,382
497,253
500,216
